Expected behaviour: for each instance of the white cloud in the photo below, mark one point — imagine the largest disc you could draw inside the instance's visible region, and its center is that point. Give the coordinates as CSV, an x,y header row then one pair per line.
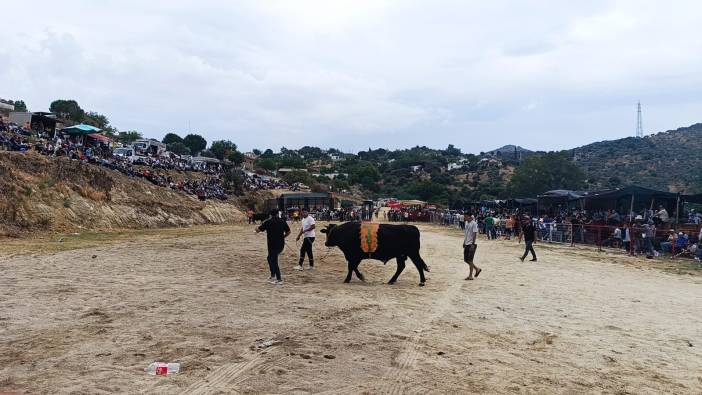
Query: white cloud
x,y
541,74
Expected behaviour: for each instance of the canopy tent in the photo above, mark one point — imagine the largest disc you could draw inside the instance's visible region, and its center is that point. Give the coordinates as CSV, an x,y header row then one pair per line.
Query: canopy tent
x,y
99,137
517,202
81,130
560,198
413,203
697,199
491,203
394,205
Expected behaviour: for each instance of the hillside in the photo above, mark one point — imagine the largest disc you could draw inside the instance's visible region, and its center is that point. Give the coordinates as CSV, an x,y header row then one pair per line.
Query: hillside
x,y
510,149
56,194
669,160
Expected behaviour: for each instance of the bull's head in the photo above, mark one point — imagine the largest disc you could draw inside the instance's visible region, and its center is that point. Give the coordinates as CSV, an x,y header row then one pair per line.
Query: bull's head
x,y
331,239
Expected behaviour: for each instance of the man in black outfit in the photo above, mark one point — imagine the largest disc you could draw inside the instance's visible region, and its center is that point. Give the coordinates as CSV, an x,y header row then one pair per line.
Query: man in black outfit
x,y
528,232
276,231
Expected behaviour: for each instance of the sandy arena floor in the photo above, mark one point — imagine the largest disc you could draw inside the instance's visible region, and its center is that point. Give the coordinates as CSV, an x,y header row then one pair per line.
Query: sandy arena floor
x,y
87,314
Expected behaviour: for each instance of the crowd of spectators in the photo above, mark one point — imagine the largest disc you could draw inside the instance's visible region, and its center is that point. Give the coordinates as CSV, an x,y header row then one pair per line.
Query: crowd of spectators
x,y
649,232
152,168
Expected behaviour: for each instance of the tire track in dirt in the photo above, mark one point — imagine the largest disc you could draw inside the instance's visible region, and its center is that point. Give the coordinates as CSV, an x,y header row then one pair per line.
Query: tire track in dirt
x,y
227,377
393,381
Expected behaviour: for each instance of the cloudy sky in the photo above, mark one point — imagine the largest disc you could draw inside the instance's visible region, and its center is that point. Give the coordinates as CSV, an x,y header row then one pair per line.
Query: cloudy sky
x,y
352,74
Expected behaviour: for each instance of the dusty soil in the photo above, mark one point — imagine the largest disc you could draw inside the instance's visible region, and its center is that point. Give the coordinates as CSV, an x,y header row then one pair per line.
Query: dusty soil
x,y
56,194
87,313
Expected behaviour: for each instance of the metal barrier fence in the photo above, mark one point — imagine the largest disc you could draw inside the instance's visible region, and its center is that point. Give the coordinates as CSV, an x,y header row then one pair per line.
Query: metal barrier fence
x,y
602,236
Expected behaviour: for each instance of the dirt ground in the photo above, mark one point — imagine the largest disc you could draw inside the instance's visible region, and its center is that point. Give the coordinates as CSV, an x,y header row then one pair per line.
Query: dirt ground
x,y
87,313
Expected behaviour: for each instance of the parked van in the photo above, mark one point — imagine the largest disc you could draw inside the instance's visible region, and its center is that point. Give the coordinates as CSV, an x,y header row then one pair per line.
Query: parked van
x,y
126,153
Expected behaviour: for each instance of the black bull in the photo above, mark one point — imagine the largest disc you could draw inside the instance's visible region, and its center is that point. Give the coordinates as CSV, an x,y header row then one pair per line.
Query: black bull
x,y
394,241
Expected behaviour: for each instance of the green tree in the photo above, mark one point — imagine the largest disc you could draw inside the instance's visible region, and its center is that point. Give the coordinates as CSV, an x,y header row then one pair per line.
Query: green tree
x,y
207,154
129,136
96,119
267,164
20,106
546,172
171,138
178,148
298,176
236,157
268,153
428,191
195,142
365,174
234,181
292,161
452,151
222,148
68,109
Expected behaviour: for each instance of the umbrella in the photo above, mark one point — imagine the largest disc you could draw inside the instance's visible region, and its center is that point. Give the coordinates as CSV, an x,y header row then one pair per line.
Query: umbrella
x,y
80,130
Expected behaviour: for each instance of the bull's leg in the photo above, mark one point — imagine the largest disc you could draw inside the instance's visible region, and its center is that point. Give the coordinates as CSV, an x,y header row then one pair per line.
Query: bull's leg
x,y
420,265
400,268
348,276
358,273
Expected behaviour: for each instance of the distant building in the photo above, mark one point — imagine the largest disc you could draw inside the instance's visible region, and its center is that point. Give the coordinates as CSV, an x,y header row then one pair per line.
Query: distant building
x,y
285,170
6,108
46,122
249,160
416,168
331,176
489,162
299,200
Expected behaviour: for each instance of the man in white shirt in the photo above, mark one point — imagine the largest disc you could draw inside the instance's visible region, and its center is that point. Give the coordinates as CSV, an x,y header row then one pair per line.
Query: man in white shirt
x,y
306,230
469,246
662,215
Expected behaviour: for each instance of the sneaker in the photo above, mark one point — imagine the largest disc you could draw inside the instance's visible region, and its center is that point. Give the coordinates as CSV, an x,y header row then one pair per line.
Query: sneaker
x,y
278,282
521,259
311,268
532,260
273,281
298,267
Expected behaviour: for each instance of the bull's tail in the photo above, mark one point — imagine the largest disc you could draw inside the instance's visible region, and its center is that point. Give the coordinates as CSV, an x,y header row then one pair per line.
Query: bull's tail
x,y
416,233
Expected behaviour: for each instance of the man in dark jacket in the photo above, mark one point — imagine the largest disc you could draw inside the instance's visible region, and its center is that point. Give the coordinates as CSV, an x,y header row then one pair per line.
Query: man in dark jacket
x,y
528,231
276,231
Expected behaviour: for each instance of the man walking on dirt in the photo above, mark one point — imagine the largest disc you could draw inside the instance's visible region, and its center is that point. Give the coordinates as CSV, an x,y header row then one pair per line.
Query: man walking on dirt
x,y
276,231
469,246
528,232
307,229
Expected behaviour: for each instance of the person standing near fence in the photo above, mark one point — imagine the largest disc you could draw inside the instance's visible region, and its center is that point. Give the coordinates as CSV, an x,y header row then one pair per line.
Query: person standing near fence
x,y
469,246
307,229
490,226
528,232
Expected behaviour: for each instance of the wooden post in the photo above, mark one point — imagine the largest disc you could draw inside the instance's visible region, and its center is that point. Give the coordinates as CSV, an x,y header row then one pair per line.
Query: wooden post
x,y
631,210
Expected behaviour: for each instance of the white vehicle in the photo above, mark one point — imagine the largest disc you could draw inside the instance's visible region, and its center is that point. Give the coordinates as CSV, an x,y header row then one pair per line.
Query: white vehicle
x,y
126,153
149,147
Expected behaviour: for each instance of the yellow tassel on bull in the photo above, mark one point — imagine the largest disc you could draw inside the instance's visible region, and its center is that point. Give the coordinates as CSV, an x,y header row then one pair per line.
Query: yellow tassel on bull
x,y
369,237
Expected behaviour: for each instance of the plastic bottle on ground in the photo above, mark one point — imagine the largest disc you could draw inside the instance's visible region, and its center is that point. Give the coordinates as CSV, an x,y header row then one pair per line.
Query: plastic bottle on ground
x,y
162,368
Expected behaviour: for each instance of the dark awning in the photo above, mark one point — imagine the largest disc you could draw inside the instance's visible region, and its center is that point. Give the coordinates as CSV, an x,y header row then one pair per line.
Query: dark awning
x,y
637,192
693,198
